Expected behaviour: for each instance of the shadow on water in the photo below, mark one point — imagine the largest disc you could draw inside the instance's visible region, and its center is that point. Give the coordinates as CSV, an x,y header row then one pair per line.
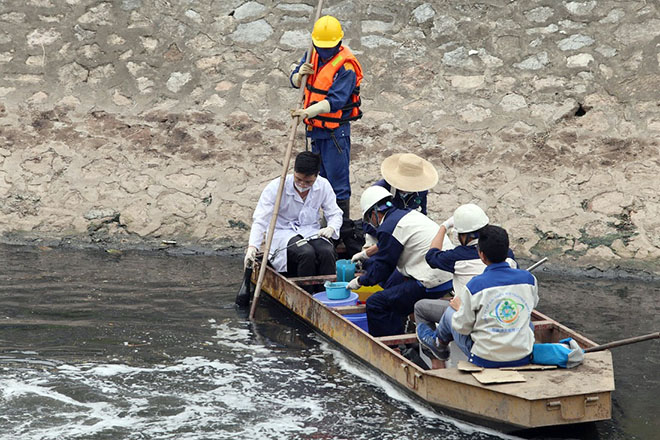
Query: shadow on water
x,y
139,345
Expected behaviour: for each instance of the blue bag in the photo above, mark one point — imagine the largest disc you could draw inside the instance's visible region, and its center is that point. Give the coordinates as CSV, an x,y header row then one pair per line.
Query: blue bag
x,y
565,354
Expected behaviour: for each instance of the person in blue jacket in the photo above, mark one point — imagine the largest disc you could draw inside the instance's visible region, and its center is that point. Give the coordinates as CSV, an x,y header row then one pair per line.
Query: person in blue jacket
x,y
408,177
404,236
463,261
490,318
332,101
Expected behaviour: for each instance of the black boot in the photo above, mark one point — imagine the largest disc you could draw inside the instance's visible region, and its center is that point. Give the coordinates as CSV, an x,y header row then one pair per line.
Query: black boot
x,y
345,205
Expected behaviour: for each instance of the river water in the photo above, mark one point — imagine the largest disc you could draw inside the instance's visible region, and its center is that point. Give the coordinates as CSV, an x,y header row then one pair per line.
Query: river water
x,y
97,345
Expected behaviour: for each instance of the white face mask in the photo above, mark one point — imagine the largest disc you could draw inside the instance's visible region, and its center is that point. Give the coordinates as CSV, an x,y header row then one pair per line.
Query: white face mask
x,y
300,188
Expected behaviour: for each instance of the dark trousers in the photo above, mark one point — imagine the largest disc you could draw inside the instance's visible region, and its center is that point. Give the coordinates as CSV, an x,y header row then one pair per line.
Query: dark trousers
x,y
387,309
335,160
316,257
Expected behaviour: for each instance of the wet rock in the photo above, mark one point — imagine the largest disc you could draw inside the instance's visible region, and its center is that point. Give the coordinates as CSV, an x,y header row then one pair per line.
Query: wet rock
x,y
296,39
72,74
474,113
614,16
82,34
13,17
372,26
581,60
554,112
98,15
120,99
149,43
570,25
193,15
173,53
101,73
535,62
38,98
215,101
458,57
6,57
254,32
100,213
43,37
129,5
540,14
512,102
444,25
467,82
249,10
423,13
373,41
177,80
606,51
549,29
634,33
575,42
295,7
580,7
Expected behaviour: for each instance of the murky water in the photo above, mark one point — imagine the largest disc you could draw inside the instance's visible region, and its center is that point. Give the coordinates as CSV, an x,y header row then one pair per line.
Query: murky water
x,y
146,346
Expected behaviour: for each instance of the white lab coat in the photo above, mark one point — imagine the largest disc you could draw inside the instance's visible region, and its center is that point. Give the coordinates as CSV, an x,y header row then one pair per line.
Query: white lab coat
x,y
295,217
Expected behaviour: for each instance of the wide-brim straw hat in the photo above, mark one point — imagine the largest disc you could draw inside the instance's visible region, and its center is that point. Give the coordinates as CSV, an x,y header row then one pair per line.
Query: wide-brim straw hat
x,y
409,172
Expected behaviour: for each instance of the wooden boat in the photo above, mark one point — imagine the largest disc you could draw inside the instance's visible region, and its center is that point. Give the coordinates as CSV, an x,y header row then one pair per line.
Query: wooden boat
x,y
547,397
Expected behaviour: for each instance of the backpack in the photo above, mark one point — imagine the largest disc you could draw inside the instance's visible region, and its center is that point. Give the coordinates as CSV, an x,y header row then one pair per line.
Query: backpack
x,y
352,234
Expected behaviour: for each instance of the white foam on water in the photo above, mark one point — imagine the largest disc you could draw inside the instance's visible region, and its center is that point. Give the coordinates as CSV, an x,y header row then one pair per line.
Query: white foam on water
x,y
188,399
351,366
236,339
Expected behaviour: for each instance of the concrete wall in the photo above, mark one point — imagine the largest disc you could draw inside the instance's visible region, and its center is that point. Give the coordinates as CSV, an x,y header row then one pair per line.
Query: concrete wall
x,y
134,121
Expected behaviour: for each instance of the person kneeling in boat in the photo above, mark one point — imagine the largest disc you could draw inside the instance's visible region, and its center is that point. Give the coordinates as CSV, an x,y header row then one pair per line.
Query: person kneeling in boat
x,y
490,318
305,193
403,237
463,261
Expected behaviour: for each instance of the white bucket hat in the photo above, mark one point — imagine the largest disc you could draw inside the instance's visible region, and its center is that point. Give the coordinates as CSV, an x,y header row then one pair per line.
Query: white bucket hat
x,y
409,172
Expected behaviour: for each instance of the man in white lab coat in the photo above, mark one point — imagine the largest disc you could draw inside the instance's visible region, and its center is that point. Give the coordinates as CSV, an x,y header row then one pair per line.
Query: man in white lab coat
x,y
305,195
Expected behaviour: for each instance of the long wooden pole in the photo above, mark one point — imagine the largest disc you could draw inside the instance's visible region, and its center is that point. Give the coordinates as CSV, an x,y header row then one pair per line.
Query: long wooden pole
x,y
285,169
622,342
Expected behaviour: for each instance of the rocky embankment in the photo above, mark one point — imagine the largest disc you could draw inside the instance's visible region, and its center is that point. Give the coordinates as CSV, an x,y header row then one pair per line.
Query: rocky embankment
x,y
126,123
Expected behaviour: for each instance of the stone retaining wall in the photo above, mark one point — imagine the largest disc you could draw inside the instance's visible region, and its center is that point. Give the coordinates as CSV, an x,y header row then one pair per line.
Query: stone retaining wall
x,y
137,121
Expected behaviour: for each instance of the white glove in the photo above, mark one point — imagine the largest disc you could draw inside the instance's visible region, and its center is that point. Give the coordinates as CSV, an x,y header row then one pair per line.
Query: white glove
x,y
312,110
354,284
360,256
305,69
326,232
250,256
449,223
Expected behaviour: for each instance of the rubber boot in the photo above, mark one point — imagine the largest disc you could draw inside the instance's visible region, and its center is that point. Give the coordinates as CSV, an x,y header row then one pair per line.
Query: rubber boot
x,y
345,206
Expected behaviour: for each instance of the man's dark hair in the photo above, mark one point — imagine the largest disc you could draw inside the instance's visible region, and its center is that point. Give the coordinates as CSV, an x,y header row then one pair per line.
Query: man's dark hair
x,y
494,243
307,163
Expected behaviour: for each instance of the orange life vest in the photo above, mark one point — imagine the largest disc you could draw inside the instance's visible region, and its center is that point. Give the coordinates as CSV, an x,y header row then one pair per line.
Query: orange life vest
x,y
319,84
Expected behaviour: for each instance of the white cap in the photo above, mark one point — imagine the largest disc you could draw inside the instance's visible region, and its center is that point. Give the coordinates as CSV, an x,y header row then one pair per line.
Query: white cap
x,y
372,196
469,218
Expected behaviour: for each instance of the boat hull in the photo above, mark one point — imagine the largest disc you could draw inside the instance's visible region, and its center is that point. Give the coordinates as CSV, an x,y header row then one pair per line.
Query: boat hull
x,y
546,398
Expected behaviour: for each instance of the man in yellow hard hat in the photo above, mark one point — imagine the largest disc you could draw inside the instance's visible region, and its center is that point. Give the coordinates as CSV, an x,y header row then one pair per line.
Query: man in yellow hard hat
x,y
332,101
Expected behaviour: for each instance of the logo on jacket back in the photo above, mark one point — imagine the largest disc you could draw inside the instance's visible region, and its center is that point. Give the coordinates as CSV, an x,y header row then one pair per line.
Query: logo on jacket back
x,y
505,309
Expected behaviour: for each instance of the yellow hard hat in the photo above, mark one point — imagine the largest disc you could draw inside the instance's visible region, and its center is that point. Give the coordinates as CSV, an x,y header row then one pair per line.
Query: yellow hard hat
x,y
327,32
